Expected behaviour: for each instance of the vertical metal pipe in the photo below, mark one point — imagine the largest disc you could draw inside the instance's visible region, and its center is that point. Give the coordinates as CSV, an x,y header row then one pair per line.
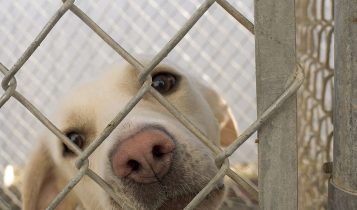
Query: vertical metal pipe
x,y
343,185
275,61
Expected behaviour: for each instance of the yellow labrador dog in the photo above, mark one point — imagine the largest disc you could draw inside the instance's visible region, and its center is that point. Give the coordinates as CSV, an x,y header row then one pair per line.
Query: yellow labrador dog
x,y
150,159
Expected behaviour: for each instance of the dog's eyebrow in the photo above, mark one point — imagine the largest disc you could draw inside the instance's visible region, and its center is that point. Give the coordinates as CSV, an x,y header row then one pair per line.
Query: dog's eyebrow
x,y
164,68
78,122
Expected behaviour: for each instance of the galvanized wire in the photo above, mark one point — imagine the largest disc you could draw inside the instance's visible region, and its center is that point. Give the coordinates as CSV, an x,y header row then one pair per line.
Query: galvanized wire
x,y
72,47
33,46
82,161
57,200
237,15
315,53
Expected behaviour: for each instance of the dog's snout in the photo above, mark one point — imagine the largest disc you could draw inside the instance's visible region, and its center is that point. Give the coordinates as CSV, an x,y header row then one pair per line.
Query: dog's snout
x,y
144,157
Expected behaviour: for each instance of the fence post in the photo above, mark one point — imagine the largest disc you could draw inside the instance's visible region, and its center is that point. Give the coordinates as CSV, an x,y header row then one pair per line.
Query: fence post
x,y
343,185
275,62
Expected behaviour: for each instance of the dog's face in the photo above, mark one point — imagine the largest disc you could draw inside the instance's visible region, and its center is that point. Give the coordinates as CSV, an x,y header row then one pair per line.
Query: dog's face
x,y
150,159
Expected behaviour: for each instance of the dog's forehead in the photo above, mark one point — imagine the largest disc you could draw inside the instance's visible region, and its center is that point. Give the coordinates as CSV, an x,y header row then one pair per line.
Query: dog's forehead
x,y
124,78
118,83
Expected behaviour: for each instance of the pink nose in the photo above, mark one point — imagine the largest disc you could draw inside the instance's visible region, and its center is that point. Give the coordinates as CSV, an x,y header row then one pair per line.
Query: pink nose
x,y
144,157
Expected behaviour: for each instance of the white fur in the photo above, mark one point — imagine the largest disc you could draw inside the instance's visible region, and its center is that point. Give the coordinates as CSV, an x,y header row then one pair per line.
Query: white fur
x,y
92,106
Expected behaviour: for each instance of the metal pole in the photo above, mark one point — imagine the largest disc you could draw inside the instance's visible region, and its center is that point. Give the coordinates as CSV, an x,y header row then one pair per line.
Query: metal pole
x,y
275,61
343,184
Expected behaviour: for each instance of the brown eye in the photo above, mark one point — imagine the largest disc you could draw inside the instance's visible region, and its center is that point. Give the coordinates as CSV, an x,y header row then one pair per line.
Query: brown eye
x,y
163,82
77,139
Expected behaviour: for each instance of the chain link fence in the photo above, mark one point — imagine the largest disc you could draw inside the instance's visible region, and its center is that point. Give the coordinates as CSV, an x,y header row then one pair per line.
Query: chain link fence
x,y
315,53
217,47
71,53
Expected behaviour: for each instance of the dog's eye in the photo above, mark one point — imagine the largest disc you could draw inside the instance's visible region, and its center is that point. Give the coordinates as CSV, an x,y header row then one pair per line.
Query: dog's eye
x,y
77,139
163,82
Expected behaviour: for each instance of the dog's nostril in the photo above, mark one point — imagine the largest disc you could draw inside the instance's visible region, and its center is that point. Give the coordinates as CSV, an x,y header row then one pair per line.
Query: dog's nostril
x,y
157,151
134,165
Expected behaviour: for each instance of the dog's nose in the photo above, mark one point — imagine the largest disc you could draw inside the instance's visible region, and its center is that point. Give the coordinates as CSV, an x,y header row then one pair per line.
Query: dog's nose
x,y
144,157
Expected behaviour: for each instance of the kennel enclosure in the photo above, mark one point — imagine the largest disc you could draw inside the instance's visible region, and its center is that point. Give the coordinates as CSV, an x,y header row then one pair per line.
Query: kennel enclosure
x,y
279,73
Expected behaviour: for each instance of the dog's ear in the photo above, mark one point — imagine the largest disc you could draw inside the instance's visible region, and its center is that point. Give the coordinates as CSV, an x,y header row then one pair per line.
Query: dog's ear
x,y
42,183
223,114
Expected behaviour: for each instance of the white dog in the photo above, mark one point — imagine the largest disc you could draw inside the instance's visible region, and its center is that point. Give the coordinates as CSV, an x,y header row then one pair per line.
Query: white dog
x,y
150,159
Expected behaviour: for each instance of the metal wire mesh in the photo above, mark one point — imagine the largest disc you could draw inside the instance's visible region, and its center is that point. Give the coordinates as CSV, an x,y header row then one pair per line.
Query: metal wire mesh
x,y
315,53
86,54
40,88
10,87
